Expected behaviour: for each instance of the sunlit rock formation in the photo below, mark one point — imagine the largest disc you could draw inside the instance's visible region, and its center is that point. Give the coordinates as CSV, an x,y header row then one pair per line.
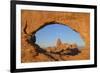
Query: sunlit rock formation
x,y
79,22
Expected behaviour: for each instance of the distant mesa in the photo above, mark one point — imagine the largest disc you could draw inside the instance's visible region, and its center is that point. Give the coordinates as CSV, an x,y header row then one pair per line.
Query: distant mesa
x,y
64,48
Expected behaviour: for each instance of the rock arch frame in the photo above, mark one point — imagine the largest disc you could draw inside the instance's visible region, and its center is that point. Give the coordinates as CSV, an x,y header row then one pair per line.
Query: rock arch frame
x,y
79,22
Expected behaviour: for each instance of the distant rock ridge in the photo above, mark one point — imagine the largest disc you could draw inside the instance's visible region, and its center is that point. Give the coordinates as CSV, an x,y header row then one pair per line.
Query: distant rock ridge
x,y
64,48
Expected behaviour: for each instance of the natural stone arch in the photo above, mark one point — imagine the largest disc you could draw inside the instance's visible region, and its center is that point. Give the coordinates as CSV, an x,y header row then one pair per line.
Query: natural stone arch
x,y
79,22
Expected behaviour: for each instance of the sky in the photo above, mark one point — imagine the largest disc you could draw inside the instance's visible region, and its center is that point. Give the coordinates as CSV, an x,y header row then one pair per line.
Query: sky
x,y
47,36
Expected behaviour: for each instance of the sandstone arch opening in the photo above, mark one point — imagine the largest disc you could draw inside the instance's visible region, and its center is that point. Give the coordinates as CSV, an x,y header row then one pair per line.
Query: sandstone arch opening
x,y
48,36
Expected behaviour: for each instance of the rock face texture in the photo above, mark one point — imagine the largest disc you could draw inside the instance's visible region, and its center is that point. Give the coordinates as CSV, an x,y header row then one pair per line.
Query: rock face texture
x,y
79,22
